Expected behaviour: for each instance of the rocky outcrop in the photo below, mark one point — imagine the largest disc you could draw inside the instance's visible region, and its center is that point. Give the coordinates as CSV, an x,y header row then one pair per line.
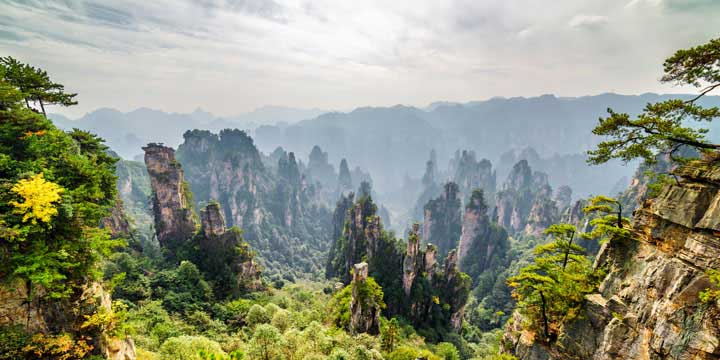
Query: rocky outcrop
x,y
270,198
345,182
68,315
221,249
525,205
429,289
320,169
117,223
454,285
483,245
470,174
543,213
364,309
443,226
174,221
648,306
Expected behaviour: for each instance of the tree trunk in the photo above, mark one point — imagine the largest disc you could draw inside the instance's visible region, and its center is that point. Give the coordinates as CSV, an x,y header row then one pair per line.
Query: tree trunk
x,y
544,314
619,217
567,252
42,106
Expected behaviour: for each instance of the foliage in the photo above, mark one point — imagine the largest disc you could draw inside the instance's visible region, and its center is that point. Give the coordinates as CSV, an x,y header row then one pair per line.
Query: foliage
x,y
661,127
551,289
189,348
34,84
610,223
710,295
54,189
38,197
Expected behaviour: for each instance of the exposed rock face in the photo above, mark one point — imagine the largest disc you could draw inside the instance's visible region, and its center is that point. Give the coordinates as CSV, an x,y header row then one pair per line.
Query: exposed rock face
x,y
525,197
483,245
338,223
442,225
345,182
454,284
471,174
364,311
174,222
563,197
276,205
65,316
320,169
222,249
410,263
426,288
212,222
648,306
543,213
117,223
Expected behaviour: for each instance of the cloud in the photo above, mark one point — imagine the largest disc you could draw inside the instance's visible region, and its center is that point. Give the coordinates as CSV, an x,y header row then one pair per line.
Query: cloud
x,y
588,21
230,56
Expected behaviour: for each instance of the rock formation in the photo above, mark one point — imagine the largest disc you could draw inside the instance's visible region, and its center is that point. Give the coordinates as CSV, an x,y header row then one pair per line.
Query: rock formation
x,y
364,309
442,225
471,174
345,182
525,205
174,221
270,198
544,212
320,169
483,245
648,306
224,256
415,285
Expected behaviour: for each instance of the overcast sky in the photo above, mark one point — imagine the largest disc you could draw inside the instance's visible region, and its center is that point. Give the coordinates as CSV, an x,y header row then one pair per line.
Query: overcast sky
x,y
230,56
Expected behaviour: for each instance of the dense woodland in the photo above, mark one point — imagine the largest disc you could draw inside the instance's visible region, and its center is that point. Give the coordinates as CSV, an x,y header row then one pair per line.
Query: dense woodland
x,y
215,250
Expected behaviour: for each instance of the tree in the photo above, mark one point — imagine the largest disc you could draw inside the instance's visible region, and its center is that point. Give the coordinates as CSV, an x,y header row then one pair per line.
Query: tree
x,y
35,85
563,246
660,128
264,341
552,288
611,223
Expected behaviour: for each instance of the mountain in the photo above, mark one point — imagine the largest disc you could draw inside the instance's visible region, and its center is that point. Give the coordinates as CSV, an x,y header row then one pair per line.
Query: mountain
x,y
556,127
127,132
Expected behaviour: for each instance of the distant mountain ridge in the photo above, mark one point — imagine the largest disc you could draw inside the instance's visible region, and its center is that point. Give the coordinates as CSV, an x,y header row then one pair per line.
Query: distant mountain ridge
x,y
393,142
127,132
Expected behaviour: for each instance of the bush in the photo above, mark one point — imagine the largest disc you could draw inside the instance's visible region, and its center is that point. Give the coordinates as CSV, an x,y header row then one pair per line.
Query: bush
x,y
188,348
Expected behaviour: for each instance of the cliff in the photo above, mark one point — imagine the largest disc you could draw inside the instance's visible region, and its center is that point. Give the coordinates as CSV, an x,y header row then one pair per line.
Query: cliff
x,y
270,198
525,204
483,245
173,212
442,225
224,256
415,285
648,306
364,308
220,253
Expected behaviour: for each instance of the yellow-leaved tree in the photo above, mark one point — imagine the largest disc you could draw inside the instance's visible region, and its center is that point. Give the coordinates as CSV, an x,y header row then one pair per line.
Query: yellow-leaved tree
x,y
39,198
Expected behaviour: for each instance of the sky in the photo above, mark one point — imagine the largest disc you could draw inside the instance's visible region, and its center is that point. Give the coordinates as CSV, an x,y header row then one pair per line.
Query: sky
x,y
231,56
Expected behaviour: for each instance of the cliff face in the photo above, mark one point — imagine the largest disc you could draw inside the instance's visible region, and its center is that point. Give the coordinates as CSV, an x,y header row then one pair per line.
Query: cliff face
x,y
275,204
174,222
442,225
364,311
471,174
648,306
415,285
483,246
525,205
224,254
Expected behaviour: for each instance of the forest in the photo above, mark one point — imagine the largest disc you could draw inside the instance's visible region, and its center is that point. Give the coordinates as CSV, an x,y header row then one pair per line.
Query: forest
x,y
217,250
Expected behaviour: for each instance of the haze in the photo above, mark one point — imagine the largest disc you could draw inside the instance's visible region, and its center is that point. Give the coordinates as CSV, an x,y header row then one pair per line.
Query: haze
x,y
230,57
